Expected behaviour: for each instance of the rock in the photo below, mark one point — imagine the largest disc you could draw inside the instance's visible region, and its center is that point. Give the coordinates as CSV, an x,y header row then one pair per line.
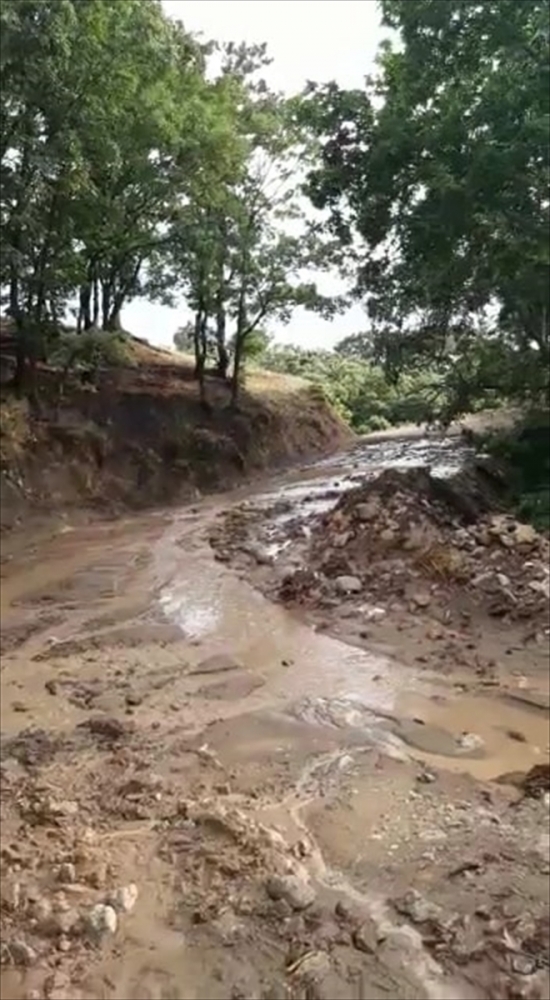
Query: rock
x,y
65,922
101,922
106,726
387,536
348,584
296,890
67,807
422,600
217,664
367,511
312,968
426,777
124,899
418,909
132,699
470,741
21,953
525,534
19,706
365,937
67,872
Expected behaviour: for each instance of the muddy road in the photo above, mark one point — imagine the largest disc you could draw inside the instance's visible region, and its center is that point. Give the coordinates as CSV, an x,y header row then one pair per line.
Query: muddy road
x,y
205,794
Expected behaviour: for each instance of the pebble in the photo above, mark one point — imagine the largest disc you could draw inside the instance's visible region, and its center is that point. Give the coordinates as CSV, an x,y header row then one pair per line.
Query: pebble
x,y
124,899
296,890
470,741
101,921
348,584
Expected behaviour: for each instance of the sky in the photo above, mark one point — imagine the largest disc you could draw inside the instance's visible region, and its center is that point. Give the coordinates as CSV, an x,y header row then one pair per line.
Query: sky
x,y
317,40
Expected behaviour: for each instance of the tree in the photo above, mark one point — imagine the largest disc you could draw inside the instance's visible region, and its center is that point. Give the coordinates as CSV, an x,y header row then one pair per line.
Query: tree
x,y
440,169
230,249
106,114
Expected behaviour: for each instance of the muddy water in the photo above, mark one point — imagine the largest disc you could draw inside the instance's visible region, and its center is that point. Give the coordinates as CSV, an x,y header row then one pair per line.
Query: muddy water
x,y
293,697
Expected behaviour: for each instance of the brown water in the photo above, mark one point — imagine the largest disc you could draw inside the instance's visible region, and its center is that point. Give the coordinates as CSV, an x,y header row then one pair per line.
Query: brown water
x,y
297,696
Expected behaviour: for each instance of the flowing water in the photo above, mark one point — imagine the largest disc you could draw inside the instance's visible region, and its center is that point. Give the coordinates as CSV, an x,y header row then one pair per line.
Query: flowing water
x,y
303,687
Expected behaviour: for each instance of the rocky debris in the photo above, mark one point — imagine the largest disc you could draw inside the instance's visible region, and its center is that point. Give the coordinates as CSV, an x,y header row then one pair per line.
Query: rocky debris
x,y
348,584
101,922
218,664
412,537
107,728
18,952
123,900
366,937
311,968
295,889
534,784
418,909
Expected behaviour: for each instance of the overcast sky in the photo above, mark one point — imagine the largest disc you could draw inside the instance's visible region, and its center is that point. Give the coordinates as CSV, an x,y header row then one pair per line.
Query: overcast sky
x,y
307,40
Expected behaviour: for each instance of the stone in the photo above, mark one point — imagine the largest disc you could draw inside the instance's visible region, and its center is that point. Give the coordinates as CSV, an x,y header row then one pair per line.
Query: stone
x,y
418,909
124,899
67,872
101,922
422,600
367,511
66,807
470,741
348,584
312,968
296,890
21,953
107,727
525,534
217,664
365,937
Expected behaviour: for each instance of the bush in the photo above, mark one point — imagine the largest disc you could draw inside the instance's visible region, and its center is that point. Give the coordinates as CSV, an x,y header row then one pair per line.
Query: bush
x,y
89,351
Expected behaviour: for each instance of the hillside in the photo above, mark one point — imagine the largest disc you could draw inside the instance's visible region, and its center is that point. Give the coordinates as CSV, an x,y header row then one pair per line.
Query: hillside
x,y
140,436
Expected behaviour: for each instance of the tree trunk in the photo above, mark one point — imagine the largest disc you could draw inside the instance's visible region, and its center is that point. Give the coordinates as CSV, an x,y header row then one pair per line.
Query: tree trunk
x,y
239,344
199,337
95,296
221,348
85,315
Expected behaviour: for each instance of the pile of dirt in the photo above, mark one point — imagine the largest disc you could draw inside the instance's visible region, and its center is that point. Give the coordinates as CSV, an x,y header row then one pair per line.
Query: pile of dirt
x,y
411,537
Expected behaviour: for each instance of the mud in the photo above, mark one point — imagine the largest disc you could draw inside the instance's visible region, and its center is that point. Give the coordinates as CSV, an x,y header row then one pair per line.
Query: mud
x,y
172,728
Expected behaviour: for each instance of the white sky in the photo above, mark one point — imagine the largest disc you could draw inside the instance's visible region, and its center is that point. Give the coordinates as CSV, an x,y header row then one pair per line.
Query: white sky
x,y
317,40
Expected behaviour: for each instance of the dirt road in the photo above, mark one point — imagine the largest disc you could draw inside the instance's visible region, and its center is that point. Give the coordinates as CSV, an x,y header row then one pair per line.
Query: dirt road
x,y
204,796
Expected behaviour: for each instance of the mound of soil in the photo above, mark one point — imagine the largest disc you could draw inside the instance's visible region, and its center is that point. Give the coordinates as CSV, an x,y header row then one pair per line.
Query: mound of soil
x,y
408,535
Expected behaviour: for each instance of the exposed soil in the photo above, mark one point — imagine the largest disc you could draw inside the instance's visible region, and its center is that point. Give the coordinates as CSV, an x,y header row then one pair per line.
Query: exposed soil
x,y
203,796
142,438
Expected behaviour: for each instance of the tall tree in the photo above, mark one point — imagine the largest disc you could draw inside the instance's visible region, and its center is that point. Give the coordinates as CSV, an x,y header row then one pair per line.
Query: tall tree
x,y
440,168
106,115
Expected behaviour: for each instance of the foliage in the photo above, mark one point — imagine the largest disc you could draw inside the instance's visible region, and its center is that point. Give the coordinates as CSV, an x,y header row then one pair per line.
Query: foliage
x,y
106,115
358,389
524,451
437,176
89,351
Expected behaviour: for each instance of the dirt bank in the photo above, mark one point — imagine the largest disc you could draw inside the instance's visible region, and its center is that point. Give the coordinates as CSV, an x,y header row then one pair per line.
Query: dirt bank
x,y
141,438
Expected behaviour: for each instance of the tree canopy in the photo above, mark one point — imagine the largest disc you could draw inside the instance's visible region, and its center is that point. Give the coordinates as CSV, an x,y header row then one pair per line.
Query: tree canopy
x,y
137,160
436,175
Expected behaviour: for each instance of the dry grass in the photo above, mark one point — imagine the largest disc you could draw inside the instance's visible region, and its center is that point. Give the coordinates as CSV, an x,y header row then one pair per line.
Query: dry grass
x,y
443,562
